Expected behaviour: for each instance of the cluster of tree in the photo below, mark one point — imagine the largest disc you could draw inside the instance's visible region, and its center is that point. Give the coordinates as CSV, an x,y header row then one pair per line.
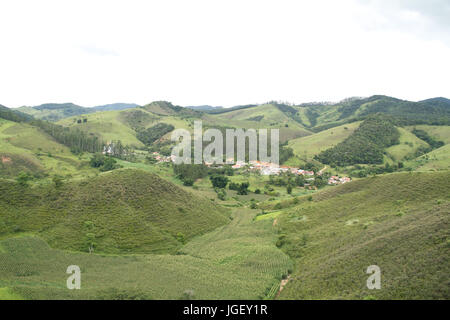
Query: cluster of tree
x,y
241,188
188,173
285,153
434,144
218,181
366,145
361,172
103,163
77,140
13,115
150,135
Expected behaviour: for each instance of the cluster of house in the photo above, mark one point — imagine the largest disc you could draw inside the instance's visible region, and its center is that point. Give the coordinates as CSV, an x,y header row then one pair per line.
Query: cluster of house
x,y
265,168
161,158
338,180
268,168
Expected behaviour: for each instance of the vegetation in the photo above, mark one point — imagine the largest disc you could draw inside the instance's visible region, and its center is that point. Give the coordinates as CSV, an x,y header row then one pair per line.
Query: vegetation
x,y
365,145
150,135
130,210
398,222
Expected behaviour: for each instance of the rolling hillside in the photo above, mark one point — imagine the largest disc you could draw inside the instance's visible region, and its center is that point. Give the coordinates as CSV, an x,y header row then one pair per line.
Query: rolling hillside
x,y
399,222
246,264
122,211
262,116
24,147
58,111
307,147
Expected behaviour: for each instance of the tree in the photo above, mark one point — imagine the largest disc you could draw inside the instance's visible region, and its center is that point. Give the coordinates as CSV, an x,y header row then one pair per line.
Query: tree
x,y
219,181
289,189
189,182
221,194
243,188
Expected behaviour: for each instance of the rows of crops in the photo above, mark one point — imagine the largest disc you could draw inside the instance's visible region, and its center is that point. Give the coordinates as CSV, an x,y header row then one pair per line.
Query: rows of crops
x,y
237,261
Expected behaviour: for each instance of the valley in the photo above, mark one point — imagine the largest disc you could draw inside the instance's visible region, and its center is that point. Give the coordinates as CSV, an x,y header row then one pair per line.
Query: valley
x,y
361,182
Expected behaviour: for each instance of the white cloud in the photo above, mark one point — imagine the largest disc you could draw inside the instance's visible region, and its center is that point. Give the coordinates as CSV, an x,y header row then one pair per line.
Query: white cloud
x,y
219,52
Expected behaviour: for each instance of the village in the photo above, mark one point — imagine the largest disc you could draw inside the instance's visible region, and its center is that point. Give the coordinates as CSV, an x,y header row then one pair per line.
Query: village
x,y
264,168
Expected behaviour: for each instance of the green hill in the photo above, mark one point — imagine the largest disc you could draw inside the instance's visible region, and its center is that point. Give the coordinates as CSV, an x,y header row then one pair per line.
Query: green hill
x,y
309,146
319,116
365,145
125,210
261,116
54,111
24,147
399,222
236,261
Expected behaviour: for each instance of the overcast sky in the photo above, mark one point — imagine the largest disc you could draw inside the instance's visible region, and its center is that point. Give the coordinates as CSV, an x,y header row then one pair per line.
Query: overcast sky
x,y
222,52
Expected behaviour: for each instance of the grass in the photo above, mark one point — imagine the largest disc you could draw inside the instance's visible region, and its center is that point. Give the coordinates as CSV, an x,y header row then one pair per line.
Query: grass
x,y
123,211
307,147
27,148
441,133
8,294
272,117
438,159
236,261
408,145
271,215
398,221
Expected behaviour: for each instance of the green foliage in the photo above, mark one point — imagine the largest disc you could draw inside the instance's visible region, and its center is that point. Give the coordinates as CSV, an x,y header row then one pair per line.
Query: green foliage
x,y
243,188
23,178
421,134
365,145
218,181
237,261
150,135
395,221
190,172
132,211
103,162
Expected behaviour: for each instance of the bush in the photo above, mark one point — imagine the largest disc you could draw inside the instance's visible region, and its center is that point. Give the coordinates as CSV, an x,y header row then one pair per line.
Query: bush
x,y
218,181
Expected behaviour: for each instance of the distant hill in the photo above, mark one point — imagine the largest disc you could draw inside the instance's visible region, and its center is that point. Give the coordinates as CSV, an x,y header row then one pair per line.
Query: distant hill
x,y
54,111
13,115
114,106
205,108
58,111
319,117
165,108
126,210
398,222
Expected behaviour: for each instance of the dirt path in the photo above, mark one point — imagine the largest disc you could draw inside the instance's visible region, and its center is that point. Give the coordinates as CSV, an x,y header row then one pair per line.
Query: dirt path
x,y
283,283
323,169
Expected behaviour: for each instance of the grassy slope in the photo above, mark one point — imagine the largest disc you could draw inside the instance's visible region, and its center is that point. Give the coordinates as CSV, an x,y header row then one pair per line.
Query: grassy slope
x,y
408,145
314,144
272,118
27,148
236,261
438,159
116,125
131,211
106,125
399,222
441,133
